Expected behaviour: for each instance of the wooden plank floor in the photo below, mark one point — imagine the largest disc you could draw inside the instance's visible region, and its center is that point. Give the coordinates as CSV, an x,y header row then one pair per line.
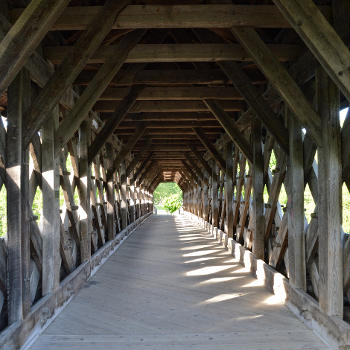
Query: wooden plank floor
x,y
171,286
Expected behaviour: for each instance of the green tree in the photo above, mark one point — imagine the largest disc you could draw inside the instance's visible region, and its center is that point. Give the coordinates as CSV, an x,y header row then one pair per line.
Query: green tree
x,y
173,203
164,190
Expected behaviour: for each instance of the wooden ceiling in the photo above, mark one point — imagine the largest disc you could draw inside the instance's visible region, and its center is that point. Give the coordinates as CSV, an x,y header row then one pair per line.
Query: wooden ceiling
x,y
175,65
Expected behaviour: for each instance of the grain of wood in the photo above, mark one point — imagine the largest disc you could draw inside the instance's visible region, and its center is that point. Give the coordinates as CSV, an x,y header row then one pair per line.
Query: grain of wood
x,y
172,286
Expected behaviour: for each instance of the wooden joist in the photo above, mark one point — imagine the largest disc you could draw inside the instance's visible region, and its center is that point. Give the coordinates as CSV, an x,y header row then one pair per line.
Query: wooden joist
x,y
25,35
210,148
169,106
71,66
117,117
321,38
230,127
170,77
98,84
256,102
280,79
150,53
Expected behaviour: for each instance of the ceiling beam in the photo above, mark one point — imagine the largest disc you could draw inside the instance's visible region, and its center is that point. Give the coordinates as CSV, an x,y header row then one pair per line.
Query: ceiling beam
x,y
151,53
177,16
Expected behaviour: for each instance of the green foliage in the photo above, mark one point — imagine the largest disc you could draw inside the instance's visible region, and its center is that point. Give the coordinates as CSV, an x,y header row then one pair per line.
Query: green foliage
x,y
164,190
173,203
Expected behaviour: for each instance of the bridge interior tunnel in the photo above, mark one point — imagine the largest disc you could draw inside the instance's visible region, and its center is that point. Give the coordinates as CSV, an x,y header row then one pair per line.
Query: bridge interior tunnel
x,y
243,104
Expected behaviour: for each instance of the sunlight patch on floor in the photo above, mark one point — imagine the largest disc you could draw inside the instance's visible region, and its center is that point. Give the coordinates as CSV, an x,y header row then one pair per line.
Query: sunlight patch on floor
x,y
220,279
201,253
209,270
223,297
200,260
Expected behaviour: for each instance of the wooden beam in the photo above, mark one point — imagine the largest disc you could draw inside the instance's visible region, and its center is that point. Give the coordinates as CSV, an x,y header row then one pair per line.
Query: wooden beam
x,y
171,124
51,207
329,199
196,169
25,35
71,66
210,148
141,168
296,236
256,102
113,123
230,127
229,189
125,150
182,93
151,53
321,38
94,90
170,77
169,106
14,198
197,154
258,190
281,80
177,16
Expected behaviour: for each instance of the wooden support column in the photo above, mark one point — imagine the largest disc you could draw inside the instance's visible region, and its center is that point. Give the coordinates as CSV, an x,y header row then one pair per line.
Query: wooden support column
x,y
111,228
123,200
25,35
51,207
329,199
229,189
16,92
296,237
214,196
258,190
84,191
321,38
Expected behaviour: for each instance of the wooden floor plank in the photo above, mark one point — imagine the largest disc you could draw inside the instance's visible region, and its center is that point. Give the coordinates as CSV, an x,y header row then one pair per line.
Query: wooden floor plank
x,y
172,286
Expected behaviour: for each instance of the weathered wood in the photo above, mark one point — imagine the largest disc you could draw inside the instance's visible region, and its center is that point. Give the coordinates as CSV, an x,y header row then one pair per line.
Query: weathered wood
x,y
14,206
329,199
169,106
151,53
210,148
321,38
113,123
25,35
214,195
125,150
170,77
230,127
295,207
174,93
280,79
178,16
229,188
50,193
72,65
96,87
84,191
256,102
258,188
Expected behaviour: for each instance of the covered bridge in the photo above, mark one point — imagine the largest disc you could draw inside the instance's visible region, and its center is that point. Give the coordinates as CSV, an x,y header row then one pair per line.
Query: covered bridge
x,y
238,103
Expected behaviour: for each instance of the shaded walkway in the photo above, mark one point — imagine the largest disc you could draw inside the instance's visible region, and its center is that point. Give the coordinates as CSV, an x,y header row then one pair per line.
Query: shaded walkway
x,y
171,286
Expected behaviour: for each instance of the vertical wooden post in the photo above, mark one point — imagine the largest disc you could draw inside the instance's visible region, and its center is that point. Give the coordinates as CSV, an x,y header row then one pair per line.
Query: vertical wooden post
x,y
229,189
51,223
84,191
214,195
111,227
258,190
329,198
205,202
14,204
296,237
123,201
